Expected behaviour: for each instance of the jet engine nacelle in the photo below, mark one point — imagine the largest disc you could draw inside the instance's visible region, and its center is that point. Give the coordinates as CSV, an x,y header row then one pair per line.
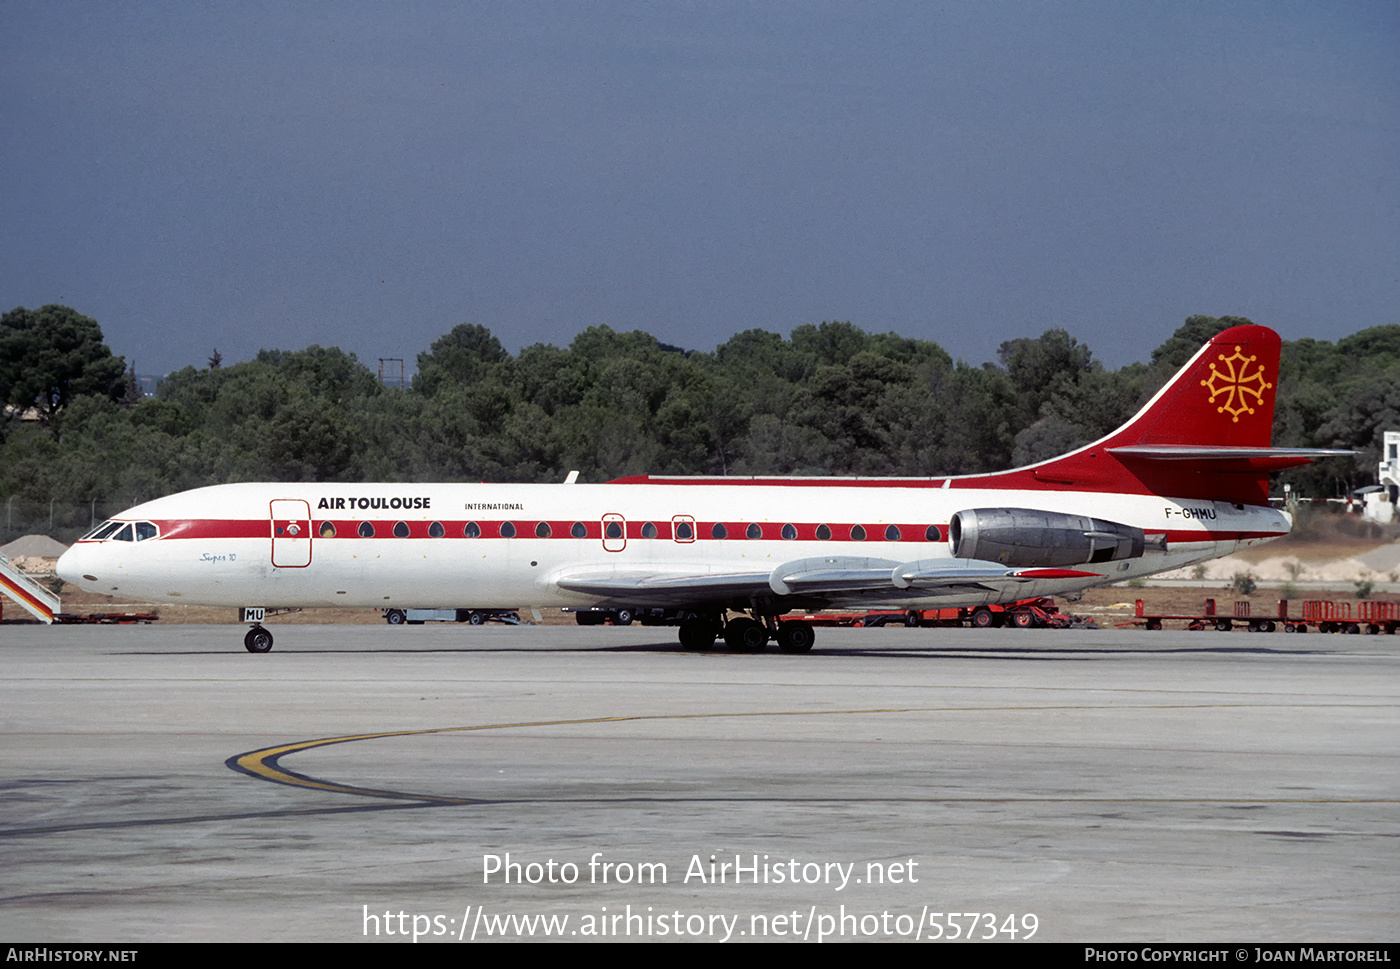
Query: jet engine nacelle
x,y
1041,539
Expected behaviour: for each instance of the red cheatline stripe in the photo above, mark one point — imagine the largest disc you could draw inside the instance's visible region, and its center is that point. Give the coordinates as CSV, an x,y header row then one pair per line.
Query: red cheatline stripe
x,y
910,532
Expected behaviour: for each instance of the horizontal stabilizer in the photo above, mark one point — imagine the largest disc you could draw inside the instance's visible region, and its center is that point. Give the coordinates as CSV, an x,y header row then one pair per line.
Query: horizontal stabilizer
x,y
1217,458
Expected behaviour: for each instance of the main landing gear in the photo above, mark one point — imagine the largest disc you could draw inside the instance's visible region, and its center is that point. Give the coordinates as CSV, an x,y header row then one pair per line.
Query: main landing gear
x,y
746,635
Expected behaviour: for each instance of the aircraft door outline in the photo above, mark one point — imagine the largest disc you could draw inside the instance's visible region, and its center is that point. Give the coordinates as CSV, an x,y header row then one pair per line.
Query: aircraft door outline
x,y
614,533
291,533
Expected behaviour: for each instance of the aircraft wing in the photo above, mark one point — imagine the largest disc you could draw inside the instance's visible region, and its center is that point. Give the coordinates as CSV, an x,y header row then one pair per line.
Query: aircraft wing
x,y
669,588
812,582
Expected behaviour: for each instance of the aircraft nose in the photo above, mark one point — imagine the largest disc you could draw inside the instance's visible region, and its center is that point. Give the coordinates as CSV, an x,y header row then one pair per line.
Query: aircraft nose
x,y
73,565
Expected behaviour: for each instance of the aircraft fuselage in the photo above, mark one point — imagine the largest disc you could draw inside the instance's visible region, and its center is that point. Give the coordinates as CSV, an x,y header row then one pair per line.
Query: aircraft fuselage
x,y
424,545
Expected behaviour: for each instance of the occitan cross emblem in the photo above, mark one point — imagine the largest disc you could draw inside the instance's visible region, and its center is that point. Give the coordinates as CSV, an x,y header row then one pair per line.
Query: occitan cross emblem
x,y
1236,385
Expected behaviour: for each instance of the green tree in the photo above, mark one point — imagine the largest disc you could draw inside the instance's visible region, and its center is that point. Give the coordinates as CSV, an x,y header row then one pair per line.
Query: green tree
x,y
1040,368
52,355
461,357
1190,337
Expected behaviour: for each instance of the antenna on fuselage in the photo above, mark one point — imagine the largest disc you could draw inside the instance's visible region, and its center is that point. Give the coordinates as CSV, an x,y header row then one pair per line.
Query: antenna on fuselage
x,y
572,477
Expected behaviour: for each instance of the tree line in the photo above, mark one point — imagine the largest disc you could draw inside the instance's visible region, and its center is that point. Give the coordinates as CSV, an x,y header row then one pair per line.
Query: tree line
x,y
828,399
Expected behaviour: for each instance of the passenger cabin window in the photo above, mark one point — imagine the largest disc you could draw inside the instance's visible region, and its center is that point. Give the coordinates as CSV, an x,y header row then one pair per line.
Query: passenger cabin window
x,y
789,533
401,529
931,534
507,530
717,530
858,533
754,531
366,530
648,530
471,530
892,533
684,531
824,533
542,530
327,529
613,530
578,531
435,530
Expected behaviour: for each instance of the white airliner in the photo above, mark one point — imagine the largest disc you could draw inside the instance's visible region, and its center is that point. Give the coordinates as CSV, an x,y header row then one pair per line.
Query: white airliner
x,y
1185,480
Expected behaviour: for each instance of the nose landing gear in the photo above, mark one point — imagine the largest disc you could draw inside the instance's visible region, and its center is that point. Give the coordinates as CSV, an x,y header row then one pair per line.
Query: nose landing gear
x,y
258,640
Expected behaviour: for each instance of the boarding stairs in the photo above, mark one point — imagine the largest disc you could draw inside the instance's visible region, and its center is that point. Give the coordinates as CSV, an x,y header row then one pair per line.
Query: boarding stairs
x,y
30,594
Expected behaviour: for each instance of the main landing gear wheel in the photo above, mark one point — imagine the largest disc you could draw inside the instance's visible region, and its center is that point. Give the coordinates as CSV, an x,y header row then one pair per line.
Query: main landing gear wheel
x,y
258,640
698,634
745,636
795,637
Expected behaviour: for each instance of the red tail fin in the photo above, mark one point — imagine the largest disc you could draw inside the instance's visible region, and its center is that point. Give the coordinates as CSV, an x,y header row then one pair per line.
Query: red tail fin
x,y
1223,397
1205,435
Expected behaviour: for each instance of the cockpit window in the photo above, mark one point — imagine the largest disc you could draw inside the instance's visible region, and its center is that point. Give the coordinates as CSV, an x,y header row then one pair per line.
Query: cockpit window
x,y
117,531
103,531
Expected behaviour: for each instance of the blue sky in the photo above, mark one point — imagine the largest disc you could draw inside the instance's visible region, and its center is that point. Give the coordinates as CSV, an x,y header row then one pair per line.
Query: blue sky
x,y
368,175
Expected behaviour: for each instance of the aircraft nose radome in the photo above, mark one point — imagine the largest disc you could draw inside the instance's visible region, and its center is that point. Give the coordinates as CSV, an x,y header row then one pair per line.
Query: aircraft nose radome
x,y
70,566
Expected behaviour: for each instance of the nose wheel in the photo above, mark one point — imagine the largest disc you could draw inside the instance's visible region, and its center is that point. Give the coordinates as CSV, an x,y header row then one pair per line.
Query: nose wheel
x,y
258,640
